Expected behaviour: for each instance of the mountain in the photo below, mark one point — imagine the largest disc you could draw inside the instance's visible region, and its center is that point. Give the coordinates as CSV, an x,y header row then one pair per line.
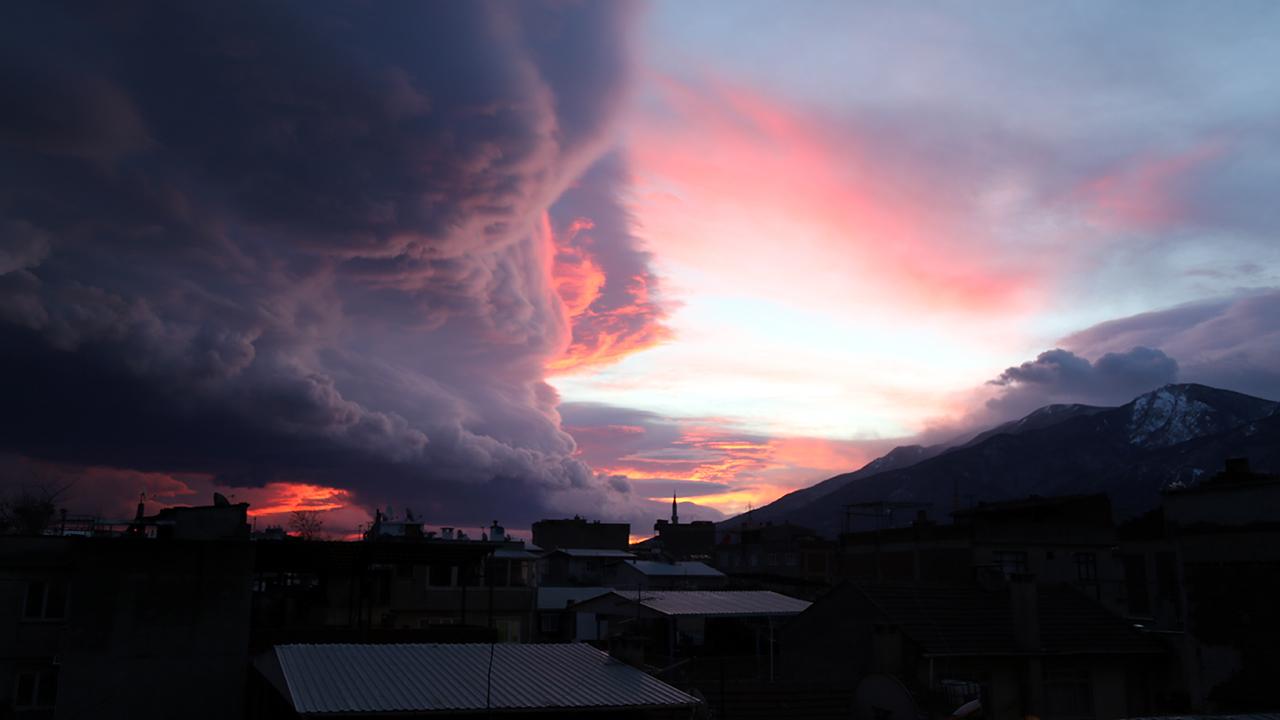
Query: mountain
x,y
1042,418
1178,433
780,509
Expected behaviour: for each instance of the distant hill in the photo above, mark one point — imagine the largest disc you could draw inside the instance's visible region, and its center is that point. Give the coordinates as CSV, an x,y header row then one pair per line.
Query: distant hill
x,y
1178,433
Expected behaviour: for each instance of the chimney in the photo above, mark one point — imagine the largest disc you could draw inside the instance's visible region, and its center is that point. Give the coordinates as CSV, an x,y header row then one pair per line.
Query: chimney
x,y
1025,609
922,517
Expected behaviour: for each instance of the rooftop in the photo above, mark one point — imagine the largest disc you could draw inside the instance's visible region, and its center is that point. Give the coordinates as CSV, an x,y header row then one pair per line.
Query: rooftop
x,y
594,553
687,568
711,603
427,678
558,598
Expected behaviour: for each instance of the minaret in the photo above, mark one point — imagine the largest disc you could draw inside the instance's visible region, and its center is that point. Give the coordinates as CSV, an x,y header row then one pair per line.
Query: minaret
x,y
675,518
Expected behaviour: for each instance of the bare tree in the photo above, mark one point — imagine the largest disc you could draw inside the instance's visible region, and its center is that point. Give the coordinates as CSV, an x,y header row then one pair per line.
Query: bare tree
x,y
307,524
30,510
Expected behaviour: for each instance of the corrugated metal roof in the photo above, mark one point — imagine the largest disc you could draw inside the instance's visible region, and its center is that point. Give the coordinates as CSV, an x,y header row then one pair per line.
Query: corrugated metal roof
x,y
452,678
595,552
716,603
686,568
557,598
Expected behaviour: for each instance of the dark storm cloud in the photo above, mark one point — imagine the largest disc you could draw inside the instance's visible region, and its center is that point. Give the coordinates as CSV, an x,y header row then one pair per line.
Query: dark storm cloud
x,y
298,241
1061,376
1231,342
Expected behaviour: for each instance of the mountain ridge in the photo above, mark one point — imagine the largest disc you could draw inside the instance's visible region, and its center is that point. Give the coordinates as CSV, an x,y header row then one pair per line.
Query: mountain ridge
x,y
1175,433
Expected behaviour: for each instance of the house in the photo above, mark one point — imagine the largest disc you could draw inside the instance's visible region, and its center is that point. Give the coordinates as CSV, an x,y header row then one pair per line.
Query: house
x,y
556,620
1021,648
151,623
658,627
581,566
1066,539
783,550
457,681
446,589
1204,570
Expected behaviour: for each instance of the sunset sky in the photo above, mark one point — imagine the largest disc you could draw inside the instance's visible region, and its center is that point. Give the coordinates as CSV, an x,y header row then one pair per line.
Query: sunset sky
x,y
519,260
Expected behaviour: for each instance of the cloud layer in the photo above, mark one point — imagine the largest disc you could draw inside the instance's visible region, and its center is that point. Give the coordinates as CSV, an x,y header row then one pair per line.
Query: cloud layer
x,y
308,243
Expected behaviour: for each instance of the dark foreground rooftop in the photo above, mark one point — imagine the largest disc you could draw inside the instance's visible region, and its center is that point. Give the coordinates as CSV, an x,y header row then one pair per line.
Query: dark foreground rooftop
x,y
447,678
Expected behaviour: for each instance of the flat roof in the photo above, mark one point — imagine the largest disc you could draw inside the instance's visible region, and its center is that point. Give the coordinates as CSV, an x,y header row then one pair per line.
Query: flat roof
x,y
426,678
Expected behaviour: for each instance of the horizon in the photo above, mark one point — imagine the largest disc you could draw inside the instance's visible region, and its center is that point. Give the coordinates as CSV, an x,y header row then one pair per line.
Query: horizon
x,y
519,261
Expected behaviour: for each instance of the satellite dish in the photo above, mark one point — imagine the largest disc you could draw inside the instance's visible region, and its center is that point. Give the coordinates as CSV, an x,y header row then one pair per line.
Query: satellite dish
x,y
884,697
220,500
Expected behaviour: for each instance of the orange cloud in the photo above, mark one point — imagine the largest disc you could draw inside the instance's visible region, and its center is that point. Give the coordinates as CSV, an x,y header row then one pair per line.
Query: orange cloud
x,y
603,330
753,471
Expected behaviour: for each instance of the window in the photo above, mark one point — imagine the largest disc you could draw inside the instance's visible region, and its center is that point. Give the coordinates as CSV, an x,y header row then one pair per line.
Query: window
x,y
1086,566
36,688
46,600
1011,562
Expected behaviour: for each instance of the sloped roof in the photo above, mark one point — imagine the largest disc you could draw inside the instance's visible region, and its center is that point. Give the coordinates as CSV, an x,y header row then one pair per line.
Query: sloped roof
x,y
969,620
558,598
713,603
594,553
684,568
425,678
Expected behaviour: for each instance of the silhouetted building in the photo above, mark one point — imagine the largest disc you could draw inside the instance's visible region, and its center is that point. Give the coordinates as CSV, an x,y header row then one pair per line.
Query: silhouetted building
x,y
149,625
576,532
783,550
556,620
683,541
1068,539
659,627
1021,649
1205,569
581,566
459,589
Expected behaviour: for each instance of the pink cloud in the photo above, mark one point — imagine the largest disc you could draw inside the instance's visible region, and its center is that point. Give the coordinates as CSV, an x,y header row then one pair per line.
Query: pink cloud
x,y
774,197
1145,193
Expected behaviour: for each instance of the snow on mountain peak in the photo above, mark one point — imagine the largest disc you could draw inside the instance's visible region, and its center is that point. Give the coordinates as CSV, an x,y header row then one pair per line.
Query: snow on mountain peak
x,y
1167,416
